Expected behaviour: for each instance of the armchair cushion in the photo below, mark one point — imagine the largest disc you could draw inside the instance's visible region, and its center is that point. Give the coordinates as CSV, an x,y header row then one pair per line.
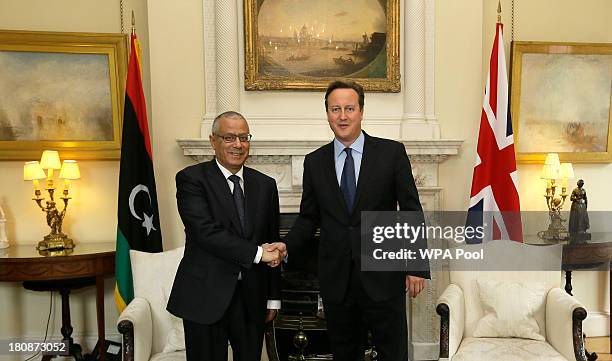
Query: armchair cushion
x,y
152,273
176,336
544,264
509,308
506,349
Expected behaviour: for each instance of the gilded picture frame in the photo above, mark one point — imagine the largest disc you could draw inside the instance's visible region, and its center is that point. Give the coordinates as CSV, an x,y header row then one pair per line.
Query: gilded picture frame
x,y
62,91
306,45
561,101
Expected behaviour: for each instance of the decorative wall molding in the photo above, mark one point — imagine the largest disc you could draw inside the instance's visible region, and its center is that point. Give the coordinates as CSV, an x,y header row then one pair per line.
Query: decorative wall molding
x,y
210,57
227,46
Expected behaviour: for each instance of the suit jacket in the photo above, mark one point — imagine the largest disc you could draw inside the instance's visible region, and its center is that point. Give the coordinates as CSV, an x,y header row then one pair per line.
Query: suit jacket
x,y
385,180
216,247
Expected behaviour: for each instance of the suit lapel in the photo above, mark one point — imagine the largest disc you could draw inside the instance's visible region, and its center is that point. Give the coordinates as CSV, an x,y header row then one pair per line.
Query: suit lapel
x,y
368,163
219,183
329,170
251,194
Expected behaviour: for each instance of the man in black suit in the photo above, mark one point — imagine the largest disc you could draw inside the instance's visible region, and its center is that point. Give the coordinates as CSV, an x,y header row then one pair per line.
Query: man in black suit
x,y
354,173
223,289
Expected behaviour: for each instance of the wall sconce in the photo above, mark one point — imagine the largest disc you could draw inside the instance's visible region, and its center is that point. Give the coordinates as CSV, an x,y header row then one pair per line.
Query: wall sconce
x,y
552,171
34,171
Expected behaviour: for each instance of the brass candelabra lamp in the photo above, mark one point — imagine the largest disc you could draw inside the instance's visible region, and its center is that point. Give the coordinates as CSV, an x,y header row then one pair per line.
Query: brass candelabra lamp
x,y
35,171
552,171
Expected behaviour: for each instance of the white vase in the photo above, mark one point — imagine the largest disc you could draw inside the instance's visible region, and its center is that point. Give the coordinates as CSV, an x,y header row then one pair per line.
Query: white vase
x,y
3,237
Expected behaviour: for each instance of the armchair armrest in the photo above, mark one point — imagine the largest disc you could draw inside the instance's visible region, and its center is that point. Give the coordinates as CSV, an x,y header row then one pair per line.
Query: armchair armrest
x,y
564,316
451,308
135,326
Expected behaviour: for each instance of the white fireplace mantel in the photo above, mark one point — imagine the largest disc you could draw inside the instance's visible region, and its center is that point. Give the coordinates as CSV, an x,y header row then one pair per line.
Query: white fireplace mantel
x,y
283,160
435,151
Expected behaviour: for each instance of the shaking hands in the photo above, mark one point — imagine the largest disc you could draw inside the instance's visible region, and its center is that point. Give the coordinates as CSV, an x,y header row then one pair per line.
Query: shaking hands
x,y
273,253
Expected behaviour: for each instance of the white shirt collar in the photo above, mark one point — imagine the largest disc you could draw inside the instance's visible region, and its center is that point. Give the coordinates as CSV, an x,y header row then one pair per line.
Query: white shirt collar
x,y
357,145
227,173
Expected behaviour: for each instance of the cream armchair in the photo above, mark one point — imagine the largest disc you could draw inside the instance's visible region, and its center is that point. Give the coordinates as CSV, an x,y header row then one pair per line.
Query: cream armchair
x,y
514,280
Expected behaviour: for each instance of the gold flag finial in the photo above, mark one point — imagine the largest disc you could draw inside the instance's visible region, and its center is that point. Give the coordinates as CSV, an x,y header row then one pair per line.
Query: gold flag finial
x,y
133,24
499,11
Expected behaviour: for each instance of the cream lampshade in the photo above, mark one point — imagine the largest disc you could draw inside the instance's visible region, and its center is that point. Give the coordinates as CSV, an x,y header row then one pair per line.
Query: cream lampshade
x,y
33,171
566,172
552,158
50,160
70,171
549,171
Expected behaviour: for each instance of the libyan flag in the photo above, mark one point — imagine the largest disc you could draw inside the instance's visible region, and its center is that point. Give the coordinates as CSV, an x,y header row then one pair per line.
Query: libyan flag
x,y
138,215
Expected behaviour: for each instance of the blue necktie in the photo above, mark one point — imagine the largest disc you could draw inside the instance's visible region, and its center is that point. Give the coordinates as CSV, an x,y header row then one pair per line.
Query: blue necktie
x,y
238,199
347,180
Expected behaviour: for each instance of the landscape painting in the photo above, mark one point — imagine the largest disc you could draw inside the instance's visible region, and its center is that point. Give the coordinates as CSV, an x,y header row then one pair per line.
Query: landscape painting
x,y
55,97
305,44
561,101
61,91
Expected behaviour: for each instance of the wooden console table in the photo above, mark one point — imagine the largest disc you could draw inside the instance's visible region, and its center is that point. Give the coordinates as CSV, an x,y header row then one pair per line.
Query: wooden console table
x,y
86,264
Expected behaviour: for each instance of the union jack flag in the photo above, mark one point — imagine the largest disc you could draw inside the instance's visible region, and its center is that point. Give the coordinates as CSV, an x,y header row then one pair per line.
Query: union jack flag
x,y
494,198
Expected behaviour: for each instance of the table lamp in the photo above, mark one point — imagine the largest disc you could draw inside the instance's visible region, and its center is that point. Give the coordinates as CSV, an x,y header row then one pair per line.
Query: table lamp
x,y
551,172
34,171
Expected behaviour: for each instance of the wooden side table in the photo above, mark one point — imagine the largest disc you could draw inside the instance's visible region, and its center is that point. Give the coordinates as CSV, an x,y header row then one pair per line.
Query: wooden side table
x,y
86,264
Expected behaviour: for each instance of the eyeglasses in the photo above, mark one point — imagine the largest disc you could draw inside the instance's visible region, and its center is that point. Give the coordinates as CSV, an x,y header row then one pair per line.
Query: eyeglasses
x,y
231,138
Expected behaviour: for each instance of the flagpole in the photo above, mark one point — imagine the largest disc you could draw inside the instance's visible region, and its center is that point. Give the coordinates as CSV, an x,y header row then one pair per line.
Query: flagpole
x,y
498,12
133,24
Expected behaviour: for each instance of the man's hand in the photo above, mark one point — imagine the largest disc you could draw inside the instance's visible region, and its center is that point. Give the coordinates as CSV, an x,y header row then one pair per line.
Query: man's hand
x,y
270,256
271,315
276,246
414,285
280,246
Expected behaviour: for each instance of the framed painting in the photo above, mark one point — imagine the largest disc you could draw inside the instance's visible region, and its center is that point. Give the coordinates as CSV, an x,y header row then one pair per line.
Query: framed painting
x,y
561,98
304,45
61,91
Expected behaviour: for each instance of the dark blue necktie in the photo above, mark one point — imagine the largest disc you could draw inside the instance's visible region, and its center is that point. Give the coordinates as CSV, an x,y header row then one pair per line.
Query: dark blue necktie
x,y
238,199
347,180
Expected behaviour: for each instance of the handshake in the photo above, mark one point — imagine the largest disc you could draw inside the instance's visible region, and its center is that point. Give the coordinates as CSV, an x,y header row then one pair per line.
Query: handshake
x,y
273,253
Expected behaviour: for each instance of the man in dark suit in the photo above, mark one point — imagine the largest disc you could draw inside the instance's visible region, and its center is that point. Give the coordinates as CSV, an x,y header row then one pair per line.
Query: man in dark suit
x,y
354,173
223,289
